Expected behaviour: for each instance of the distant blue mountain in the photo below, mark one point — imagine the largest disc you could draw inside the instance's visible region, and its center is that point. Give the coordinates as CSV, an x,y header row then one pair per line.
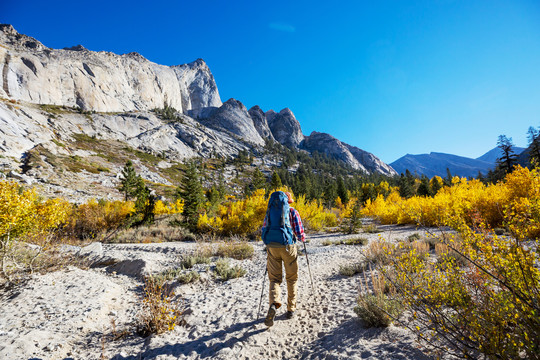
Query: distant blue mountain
x,y
495,153
436,163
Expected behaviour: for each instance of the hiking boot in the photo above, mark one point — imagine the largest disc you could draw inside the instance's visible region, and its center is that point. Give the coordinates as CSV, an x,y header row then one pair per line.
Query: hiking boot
x,y
269,321
290,314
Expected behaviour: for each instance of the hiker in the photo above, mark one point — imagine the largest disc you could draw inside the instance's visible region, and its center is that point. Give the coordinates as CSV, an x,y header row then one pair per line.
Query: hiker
x,y
282,226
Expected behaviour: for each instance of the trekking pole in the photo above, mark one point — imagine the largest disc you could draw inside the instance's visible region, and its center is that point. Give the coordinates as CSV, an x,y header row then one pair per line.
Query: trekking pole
x,y
262,292
309,269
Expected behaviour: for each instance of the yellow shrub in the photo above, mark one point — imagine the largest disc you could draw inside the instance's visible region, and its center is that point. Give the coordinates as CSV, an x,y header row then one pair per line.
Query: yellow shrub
x,y
161,208
92,218
471,201
244,217
24,214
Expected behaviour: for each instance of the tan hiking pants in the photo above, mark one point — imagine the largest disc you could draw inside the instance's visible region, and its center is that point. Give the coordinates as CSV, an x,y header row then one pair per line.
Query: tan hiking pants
x,y
288,255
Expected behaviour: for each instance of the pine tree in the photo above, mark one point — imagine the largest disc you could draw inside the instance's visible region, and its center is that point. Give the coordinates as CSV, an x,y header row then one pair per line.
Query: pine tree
x,y
330,194
342,191
448,179
406,187
354,220
435,185
145,202
258,180
275,182
192,193
533,136
508,159
129,182
424,188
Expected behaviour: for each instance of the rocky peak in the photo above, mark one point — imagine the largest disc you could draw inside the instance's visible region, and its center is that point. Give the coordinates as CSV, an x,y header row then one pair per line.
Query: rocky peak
x,y
8,29
351,155
233,117
100,81
198,80
270,115
76,48
10,36
260,122
285,128
329,145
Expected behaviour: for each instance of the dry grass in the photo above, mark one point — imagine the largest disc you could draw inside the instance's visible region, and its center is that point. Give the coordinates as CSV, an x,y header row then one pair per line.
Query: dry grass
x,y
375,253
444,252
421,248
159,232
160,312
371,229
235,250
351,241
26,259
375,307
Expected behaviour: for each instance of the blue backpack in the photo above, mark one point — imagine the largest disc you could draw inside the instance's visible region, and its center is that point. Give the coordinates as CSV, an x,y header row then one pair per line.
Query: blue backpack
x,y
278,225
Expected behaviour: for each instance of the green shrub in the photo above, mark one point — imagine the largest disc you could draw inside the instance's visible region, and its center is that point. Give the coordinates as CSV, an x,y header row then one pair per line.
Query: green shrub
x,y
190,277
352,269
377,310
355,241
189,261
413,237
224,271
167,275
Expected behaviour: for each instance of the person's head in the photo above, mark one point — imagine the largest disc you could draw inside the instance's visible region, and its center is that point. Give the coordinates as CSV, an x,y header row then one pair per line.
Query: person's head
x,y
289,196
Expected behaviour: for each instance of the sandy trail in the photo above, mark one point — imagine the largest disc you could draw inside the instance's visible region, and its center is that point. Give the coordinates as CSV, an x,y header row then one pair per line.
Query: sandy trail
x,y
69,314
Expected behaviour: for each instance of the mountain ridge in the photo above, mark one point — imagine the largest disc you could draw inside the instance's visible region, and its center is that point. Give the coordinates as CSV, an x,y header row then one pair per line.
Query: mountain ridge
x,y
436,163
104,82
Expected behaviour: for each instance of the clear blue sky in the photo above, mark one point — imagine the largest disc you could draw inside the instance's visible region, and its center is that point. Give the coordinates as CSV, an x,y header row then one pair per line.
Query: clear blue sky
x,y
391,77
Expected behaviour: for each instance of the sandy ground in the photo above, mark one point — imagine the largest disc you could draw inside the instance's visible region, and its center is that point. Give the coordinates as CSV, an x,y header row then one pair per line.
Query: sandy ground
x,y
74,313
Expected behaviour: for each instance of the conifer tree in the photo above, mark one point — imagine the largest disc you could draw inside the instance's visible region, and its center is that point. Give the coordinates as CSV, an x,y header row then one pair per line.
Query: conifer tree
x,y
354,219
533,136
258,180
275,182
145,202
342,191
508,159
192,193
423,188
129,182
330,193
435,185
406,185
448,179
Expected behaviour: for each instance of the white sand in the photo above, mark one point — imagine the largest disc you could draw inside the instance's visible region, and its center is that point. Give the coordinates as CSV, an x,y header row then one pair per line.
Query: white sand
x,y
68,314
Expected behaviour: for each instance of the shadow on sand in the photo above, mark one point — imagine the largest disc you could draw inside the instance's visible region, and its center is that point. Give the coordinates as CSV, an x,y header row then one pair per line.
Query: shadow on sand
x,y
199,345
349,339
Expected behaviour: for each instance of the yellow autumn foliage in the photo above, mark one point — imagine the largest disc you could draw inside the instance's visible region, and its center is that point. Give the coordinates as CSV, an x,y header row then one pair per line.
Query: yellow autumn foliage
x,y
23,212
468,200
244,217
161,208
480,295
90,219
